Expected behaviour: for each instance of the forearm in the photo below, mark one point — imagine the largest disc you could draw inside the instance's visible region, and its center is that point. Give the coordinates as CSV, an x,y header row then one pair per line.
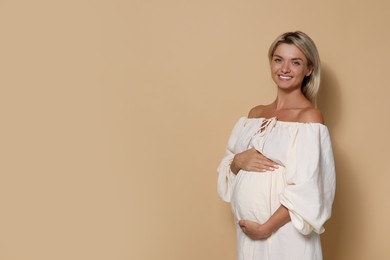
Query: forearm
x,y
277,220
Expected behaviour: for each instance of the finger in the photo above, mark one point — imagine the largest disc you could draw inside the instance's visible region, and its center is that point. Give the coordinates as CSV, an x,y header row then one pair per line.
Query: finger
x,y
264,158
260,165
255,166
271,167
258,169
268,163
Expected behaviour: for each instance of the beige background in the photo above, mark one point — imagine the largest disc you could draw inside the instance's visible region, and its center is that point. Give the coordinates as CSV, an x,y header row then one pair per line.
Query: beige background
x,y
115,114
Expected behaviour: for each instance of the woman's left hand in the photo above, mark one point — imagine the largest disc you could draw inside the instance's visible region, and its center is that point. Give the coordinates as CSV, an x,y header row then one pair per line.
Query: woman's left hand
x,y
254,230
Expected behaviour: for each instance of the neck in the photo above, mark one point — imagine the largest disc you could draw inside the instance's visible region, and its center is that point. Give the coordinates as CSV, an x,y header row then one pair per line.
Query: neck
x,y
294,99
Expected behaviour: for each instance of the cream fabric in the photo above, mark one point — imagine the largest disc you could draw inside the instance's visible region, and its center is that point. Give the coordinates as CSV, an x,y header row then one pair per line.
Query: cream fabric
x,y
304,184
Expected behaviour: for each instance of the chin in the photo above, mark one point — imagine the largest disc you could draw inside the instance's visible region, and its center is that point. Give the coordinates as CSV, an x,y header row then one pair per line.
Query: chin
x,y
287,86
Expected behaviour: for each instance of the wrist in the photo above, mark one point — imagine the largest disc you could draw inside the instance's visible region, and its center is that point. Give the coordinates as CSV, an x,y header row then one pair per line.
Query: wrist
x,y
265,230
233,165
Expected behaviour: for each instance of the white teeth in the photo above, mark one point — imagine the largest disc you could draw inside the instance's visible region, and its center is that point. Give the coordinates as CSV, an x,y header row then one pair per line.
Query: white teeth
x,y
284,77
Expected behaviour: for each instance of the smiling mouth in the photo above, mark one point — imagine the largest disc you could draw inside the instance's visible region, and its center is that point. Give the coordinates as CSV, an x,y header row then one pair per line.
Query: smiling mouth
x,y
284,77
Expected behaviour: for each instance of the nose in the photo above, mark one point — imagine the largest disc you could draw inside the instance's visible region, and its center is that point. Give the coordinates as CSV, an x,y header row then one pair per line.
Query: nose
x,y
285,67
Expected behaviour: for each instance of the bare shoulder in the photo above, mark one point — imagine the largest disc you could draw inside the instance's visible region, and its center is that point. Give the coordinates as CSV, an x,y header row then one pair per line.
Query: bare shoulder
x,y
310,115
257,111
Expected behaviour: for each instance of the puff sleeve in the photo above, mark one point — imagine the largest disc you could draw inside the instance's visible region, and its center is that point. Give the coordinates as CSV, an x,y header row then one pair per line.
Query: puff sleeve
x,y
225,176
310,177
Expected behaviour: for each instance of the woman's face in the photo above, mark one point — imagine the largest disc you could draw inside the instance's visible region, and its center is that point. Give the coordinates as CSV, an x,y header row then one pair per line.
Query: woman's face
x,y
289,67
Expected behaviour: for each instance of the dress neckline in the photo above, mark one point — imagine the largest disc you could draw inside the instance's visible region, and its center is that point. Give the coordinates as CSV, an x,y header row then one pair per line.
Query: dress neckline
x,y
283,122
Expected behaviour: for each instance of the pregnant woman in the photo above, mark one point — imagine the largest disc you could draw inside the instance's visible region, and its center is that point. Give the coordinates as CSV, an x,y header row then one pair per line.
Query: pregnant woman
x,y
278,169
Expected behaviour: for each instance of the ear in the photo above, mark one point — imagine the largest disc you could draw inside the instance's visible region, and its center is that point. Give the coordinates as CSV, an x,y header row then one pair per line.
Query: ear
x,y
309,71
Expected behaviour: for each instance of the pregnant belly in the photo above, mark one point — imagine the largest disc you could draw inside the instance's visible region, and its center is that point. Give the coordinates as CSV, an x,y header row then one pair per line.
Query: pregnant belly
x,y
256,194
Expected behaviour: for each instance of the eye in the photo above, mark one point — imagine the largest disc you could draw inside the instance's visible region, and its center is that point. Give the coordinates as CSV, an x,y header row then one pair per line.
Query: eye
x,y
296,63
277,60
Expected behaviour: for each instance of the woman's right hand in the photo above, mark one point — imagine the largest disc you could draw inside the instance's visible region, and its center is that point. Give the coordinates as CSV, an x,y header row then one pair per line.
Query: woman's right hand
x,y
252,160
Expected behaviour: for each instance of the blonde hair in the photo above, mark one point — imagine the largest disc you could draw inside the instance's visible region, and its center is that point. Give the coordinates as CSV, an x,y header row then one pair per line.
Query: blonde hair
x,y
311,84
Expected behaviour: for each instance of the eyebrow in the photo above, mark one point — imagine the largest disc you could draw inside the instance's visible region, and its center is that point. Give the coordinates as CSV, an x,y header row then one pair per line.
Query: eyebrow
x,y
275,55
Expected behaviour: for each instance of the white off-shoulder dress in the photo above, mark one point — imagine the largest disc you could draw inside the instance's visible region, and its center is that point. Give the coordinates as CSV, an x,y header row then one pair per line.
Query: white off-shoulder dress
x,y
304,183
